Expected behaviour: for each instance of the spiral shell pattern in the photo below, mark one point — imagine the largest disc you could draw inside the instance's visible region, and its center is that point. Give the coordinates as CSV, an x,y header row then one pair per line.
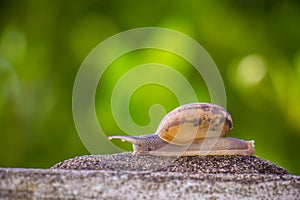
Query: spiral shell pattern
x,y
194,121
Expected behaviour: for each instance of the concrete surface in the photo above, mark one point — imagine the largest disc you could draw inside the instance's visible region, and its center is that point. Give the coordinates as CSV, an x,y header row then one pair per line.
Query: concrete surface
x,y
145,184
186,164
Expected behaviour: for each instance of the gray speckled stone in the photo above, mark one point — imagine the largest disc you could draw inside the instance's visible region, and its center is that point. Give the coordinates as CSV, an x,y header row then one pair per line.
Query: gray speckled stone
x,y
126,176
108,184
185,164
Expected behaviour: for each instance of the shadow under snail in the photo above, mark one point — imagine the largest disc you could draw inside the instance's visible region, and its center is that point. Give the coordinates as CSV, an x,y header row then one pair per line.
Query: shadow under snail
x,y
189,130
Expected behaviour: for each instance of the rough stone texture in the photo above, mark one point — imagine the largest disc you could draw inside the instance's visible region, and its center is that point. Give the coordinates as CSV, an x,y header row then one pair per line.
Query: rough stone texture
x,y
189,164
108,184
122,176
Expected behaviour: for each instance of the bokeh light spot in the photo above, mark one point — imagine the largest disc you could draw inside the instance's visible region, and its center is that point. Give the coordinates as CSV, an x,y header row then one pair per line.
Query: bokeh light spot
x,y
251,70
12,45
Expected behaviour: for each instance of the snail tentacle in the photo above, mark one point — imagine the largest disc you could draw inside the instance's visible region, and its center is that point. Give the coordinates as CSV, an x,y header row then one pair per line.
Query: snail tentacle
x,y
132,139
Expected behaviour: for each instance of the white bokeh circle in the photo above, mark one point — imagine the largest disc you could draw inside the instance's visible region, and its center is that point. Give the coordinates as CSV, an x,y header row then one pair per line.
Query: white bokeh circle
x,y
93,67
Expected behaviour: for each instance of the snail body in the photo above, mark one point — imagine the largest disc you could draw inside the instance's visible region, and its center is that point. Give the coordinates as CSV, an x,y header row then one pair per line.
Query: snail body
x,y
191,129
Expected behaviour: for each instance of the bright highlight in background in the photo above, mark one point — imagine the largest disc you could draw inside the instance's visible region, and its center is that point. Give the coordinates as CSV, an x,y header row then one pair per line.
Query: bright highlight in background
x,y
251,70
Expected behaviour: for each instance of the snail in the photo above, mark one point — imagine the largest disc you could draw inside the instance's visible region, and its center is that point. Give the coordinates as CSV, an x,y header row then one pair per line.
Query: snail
x,y
189,130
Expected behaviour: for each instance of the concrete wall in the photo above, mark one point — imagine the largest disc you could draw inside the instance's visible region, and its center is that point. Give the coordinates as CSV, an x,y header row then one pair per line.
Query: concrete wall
x,y
108,184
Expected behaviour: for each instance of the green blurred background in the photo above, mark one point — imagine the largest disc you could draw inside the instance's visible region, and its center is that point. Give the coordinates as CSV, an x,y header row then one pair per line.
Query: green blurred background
x,y
255,44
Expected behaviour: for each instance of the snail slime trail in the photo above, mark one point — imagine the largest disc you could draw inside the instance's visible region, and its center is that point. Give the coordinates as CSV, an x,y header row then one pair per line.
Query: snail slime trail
x,y
189,130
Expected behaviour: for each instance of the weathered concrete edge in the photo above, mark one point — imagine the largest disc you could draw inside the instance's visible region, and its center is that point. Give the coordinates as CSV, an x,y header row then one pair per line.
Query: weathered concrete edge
x,y
80,184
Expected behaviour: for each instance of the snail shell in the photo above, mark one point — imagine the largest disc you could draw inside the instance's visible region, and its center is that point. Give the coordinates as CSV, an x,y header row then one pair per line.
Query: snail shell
x,y
194,121
191,129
